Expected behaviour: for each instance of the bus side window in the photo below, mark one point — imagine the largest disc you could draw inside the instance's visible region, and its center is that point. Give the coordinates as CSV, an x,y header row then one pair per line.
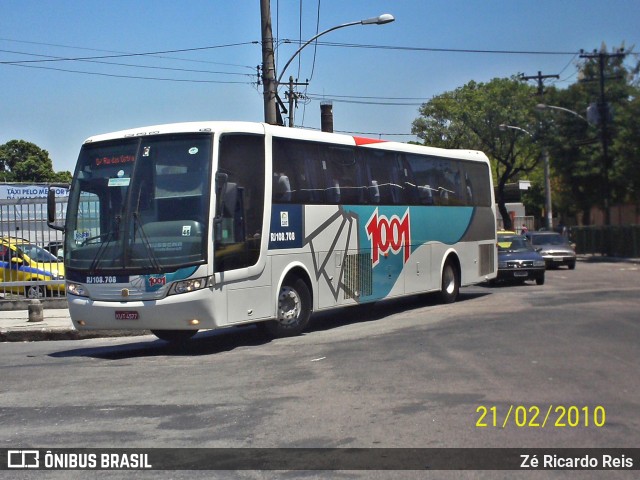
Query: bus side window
x,y
281,188
341,176
239,213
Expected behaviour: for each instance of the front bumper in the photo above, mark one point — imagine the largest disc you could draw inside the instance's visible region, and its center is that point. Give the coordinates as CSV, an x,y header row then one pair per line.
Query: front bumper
x,y
176,312
520,273
559,260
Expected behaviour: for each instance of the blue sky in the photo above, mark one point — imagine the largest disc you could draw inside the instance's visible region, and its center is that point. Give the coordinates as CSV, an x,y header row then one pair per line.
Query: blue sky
x,y
375,90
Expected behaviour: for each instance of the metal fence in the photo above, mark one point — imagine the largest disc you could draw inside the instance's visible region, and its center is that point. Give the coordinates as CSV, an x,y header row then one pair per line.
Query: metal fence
x,y
613,241
25,219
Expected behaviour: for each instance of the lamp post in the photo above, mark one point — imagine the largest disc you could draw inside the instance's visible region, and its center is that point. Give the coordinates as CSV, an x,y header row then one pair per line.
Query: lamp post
x,y
605,174
379,20
543,106
547,176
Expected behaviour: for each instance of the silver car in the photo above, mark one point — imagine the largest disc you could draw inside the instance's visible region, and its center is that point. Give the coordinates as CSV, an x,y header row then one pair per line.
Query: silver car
x,y
554,248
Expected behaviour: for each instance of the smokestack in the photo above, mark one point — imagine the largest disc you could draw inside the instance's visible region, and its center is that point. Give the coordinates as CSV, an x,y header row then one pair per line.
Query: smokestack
x,y
326,116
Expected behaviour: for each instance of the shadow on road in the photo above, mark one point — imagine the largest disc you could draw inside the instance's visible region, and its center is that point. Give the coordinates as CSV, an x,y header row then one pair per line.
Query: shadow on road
x,y
212,342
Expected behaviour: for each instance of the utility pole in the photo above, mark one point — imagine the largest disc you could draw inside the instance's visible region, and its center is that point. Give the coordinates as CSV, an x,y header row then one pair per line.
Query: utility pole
x,y
548,204
268,64
293,98
540,78
603,110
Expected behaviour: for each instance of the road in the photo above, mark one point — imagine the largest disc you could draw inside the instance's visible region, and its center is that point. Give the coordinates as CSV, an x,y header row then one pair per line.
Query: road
x,y
408,373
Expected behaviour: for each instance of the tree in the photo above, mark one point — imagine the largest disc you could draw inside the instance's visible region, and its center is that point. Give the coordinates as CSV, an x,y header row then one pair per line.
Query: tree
x,y
22,161
584,178
470,117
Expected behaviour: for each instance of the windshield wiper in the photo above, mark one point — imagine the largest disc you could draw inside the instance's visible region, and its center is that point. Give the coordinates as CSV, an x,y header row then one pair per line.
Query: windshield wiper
x,y
155,263
103,246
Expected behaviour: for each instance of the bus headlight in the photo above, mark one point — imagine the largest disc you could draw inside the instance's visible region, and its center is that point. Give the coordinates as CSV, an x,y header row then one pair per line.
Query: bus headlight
x,y
186,286
76,289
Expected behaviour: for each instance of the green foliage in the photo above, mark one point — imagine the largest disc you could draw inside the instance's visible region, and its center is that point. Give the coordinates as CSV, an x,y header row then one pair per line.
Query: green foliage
x,y
22,161
583,174
470,118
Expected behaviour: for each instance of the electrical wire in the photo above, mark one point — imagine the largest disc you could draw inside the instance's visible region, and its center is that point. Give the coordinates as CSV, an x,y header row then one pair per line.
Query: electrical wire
x,y
306,100
444,50
121,55
180,59
101,74
122,64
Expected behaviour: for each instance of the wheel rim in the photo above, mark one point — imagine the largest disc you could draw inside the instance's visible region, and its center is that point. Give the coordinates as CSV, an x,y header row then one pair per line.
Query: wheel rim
x,y
34,292
449,280
289,306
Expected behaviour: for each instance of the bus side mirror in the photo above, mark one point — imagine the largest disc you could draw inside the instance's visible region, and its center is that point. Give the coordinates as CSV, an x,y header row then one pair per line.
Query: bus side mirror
x,y
51,207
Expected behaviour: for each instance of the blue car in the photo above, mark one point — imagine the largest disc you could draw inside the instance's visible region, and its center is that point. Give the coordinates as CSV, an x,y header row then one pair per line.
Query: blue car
x,y
518,261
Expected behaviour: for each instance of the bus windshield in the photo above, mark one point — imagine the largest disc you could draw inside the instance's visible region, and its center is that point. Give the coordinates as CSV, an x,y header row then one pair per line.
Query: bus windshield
x,y
140,205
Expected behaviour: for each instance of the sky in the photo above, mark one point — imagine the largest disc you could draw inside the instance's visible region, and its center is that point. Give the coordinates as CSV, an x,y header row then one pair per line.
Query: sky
x,y
118,64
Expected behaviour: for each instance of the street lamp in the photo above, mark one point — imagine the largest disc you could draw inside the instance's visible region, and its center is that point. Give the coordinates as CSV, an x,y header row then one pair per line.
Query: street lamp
x,y
503,128
379,20
605,173
547,176
542,106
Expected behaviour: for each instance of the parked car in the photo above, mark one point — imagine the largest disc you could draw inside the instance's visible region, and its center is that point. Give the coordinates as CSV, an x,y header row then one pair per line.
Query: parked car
x,y
22,261
56,247
554,248
517,260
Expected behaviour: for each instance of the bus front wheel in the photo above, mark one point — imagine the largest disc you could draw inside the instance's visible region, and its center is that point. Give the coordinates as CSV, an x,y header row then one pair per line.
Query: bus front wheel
x,y
293,310
450,283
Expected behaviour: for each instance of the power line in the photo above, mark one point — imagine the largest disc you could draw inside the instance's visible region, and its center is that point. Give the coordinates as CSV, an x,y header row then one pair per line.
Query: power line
x,y
101,74
364,102
378,134
122,64
121,55
445,50
121,52
366,97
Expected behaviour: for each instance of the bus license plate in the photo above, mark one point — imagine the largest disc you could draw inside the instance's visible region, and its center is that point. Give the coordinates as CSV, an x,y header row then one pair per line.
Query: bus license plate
x,y
127,315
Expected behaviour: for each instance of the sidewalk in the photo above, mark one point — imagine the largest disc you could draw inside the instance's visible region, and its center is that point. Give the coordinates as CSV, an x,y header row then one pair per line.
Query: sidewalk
x,y
16,327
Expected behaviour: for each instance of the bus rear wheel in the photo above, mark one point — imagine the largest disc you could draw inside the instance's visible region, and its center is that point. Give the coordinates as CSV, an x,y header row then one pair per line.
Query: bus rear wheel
x,y
293,310
174,336
450,286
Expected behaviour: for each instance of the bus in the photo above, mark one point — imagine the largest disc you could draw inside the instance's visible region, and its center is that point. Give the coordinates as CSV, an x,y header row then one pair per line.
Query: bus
x,y
182,227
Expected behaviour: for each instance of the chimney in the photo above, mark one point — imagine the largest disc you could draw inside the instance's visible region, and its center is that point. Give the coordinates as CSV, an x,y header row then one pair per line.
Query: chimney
x,y
326,116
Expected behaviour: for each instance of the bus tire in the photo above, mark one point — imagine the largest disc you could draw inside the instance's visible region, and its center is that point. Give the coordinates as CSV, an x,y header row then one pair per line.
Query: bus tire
x,y
174,336
293,310
450,285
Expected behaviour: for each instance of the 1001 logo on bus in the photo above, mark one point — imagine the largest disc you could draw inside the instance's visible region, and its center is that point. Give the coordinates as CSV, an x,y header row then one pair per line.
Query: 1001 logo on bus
x,y
389,234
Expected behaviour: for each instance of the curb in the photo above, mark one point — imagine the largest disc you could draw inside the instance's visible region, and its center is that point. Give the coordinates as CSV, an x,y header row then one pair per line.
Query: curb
x,y
594,258
49,333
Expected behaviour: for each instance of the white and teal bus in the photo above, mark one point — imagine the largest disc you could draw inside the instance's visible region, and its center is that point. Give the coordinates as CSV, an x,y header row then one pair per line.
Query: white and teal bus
x,y
176,228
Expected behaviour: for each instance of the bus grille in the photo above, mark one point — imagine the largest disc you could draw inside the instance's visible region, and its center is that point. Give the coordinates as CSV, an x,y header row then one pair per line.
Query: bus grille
x,y
358,278
487,252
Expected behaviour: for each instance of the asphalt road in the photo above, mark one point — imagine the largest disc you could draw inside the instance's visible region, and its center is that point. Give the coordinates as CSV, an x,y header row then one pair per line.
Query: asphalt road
x,y
406,373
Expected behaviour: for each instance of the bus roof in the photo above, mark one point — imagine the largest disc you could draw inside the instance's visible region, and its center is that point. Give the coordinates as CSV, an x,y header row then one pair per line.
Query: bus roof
x,y
293,133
